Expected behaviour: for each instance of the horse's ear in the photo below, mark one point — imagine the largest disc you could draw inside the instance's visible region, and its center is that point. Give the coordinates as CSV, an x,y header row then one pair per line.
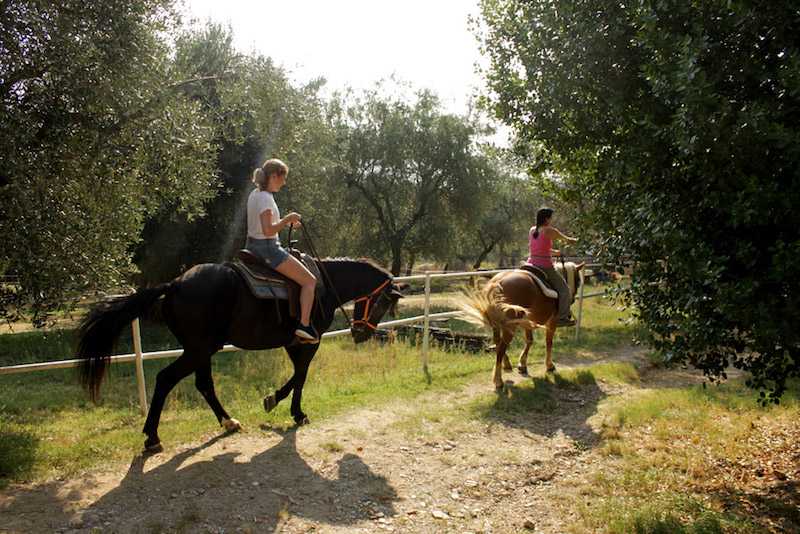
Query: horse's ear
x,y
580,266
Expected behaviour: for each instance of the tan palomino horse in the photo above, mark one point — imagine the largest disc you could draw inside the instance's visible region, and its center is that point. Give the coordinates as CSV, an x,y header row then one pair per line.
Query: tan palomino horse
x,y
518,299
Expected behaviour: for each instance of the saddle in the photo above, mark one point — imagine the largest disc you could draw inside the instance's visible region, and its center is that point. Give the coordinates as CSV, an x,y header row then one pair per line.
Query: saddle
x,y
541,278
266,283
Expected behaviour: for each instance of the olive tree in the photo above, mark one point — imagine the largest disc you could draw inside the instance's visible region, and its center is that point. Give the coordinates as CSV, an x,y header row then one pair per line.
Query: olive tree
x,y
678,122
96,134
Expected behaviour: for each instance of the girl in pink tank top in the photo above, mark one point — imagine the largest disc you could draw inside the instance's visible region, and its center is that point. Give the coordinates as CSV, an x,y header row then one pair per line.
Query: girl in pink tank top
x,y
541,248
540,239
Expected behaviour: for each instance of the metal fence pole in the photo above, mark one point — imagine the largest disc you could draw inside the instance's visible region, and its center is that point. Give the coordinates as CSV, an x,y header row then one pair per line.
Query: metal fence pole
x,y
137,348
426,324
580,307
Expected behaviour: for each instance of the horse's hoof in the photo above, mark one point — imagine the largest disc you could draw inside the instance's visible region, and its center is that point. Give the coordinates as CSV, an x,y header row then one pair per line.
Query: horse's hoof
x,y
270,402
153,446
551,369
499,389
231,425
522,370
302,420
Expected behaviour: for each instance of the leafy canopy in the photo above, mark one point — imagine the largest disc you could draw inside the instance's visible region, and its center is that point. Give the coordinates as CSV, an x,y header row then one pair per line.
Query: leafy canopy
x,y
678,123
95,135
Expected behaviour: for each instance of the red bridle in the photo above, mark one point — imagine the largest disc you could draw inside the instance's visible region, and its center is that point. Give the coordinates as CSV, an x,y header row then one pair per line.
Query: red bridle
x,y
364,321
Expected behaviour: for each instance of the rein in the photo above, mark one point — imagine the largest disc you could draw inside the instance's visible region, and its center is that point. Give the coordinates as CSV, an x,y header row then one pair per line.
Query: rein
x,y
351,323
322,269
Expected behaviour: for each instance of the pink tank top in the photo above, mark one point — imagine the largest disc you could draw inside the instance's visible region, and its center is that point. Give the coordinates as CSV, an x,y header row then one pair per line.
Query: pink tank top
x,y
540,250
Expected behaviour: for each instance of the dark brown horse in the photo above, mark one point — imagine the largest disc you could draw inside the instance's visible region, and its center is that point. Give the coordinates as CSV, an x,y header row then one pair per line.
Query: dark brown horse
x,y
517,299
209,306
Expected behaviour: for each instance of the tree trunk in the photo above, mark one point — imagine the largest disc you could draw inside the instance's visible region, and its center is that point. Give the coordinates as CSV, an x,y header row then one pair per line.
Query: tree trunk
x,y
397,257
482,256
411,261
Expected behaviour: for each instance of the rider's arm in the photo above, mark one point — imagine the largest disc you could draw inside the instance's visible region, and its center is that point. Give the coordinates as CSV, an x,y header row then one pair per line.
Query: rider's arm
x,y
272,229
553,233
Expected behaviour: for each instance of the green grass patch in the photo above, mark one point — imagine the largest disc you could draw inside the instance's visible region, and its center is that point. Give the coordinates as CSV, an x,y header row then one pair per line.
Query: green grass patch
x,y
49,428
669,513
670,451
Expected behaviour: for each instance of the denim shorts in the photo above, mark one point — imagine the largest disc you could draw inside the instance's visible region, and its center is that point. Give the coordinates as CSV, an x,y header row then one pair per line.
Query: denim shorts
x,y
269,249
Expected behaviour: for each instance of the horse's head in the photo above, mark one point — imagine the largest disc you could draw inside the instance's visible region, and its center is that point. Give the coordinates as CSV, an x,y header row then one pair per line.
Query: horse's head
x,y
369,309
371,288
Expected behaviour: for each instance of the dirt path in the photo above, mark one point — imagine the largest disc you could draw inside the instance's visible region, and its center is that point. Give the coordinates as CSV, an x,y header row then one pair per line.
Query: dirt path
x,y
367,471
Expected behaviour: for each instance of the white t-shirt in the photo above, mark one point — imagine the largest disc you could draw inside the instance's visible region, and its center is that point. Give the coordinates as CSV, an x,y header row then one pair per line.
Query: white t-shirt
x,y
257,203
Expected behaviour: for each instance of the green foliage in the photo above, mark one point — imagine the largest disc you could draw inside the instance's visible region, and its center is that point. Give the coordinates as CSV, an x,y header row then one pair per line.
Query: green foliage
x,y
677,123
95,136
413,171
257,114
506,208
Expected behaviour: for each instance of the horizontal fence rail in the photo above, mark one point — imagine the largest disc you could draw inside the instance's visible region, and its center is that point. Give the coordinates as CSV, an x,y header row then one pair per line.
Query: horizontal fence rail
x,y
138,356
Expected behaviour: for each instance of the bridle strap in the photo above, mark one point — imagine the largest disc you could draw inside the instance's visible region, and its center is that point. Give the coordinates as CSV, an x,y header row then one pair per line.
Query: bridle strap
x,y
365,319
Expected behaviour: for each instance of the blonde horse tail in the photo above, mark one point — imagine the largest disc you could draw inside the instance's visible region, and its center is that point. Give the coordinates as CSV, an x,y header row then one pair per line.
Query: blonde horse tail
x,y
488,309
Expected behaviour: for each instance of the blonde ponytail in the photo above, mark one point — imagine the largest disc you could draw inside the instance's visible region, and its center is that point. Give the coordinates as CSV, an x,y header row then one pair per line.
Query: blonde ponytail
x,y
261,175
260,178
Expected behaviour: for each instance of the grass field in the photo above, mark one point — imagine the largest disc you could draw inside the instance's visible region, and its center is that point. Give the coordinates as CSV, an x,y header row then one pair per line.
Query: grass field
x,y
671,456
48,428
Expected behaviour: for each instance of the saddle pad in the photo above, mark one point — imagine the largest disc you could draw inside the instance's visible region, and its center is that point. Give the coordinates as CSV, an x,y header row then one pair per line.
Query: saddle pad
x,y
545,289
261,286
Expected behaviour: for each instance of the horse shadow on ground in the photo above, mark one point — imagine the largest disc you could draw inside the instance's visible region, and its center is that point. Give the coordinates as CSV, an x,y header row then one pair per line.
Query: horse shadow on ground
x,y
548,406
225,492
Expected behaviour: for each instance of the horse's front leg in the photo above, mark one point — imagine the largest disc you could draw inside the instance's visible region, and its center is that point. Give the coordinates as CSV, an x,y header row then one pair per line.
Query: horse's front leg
x,y
301,356
272,399
204,383
551,330
522,367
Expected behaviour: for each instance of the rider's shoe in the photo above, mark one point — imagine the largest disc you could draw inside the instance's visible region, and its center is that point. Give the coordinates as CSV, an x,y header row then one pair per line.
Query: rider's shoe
x,y
566,321
306,334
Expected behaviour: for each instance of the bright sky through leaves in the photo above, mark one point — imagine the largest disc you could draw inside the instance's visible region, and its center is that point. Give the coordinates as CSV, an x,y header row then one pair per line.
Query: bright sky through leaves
x,y
351,42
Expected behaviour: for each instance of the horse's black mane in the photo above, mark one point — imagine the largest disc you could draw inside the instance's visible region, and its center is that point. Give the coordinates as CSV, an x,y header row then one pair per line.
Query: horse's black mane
x,y
367,261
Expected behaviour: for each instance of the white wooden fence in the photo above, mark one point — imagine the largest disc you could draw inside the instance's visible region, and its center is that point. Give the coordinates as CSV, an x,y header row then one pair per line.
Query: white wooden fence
x,y
139,356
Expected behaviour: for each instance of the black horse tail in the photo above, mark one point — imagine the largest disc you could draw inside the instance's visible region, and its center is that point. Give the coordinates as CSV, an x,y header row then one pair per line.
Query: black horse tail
x,y
102,326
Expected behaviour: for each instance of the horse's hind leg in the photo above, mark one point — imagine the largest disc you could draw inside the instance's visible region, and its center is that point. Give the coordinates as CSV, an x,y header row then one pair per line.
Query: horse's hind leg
x,y
522,368
204,383
502,341
506,362
166,379
551,330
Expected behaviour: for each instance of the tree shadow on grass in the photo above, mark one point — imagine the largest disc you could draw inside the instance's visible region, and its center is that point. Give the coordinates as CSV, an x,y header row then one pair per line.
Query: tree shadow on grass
x,y
17,455
776,507
547,406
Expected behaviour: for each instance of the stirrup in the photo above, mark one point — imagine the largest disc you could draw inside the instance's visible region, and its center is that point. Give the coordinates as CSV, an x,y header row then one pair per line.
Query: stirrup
x,y
568,321
306,334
